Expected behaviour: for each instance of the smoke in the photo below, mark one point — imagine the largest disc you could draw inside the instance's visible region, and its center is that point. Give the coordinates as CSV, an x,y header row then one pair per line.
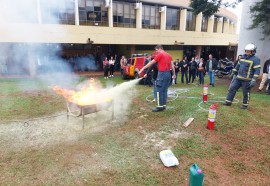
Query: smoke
x,y
38,59
122,96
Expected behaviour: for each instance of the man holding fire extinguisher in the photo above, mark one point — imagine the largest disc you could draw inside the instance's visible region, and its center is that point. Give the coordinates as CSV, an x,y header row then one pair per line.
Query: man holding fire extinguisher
x,y
165,64
246,71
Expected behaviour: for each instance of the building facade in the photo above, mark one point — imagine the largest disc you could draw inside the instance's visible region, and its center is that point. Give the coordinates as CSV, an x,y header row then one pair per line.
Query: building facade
x,y
37,32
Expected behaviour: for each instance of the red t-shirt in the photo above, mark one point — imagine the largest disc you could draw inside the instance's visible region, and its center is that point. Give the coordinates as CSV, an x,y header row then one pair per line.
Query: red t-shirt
x,y
164,61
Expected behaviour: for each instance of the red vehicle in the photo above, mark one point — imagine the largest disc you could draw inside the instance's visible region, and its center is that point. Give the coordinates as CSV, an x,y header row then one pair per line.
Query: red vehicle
x,y
133,66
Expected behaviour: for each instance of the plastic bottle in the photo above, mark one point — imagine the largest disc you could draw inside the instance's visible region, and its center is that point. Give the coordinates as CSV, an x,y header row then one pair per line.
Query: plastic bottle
x,y
195,175
168,158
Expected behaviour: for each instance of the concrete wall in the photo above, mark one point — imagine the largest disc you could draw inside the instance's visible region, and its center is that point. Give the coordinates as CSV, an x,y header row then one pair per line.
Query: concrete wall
x,y
252,36
33,33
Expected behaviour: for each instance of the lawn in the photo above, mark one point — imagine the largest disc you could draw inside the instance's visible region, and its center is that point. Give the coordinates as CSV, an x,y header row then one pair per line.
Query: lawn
x,y
40,146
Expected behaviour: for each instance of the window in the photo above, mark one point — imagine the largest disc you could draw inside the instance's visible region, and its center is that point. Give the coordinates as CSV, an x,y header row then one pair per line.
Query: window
x,y
124,14
191,21
173,19
215,24
150,17
223,24
204,24
93,12
58,12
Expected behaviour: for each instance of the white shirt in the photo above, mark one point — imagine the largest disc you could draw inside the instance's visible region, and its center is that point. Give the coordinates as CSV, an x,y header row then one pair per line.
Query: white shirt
x,y
111,62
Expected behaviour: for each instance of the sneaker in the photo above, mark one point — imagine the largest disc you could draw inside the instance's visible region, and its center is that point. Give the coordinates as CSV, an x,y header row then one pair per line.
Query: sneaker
x,y
227,103
243,107
154,100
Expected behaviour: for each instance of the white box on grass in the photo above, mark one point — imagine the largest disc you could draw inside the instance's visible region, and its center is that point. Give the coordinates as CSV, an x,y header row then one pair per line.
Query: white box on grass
x,y
168,158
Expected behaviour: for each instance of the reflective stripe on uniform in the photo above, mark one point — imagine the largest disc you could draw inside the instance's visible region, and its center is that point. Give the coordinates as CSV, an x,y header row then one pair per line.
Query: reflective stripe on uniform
x,y
257,66
158,98
228,101
243,78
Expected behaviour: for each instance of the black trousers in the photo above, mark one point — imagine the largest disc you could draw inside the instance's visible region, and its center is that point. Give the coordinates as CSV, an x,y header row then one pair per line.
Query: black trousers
x,y
234,86
184,73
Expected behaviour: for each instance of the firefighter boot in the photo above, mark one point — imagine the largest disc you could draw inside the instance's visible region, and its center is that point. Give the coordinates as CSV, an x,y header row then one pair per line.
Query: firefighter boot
x,y
243,107
158,109
227,103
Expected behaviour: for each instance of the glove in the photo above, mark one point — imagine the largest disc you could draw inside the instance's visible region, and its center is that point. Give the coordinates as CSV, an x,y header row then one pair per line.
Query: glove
x,y
231,76
252,83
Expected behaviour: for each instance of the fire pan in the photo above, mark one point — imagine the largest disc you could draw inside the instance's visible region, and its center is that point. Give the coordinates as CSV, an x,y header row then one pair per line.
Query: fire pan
x,y
76,110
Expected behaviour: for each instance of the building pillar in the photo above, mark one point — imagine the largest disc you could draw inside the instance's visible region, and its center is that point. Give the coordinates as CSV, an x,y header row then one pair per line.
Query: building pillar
x,y
76,11
234,28
32,62
199,22
231,28
183,19
219,25
138,15
163,11
132,49
198,51
108,4
39,13
210,26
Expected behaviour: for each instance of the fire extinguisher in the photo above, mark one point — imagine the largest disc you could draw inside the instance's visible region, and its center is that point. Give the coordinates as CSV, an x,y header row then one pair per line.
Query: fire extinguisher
x,y
205,92
211,117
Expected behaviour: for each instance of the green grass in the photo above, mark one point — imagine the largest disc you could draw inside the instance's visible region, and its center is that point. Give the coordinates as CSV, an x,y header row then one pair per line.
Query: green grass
x,y
127,153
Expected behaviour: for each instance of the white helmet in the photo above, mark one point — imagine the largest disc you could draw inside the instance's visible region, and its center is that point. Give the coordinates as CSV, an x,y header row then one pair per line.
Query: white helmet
x,y
251,47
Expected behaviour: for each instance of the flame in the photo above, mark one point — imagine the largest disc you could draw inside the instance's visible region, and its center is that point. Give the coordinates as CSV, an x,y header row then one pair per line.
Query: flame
x,y
89,94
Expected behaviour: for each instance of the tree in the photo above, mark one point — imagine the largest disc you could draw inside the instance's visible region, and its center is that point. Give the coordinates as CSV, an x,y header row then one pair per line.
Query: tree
x,y
260,12
260,15
206,7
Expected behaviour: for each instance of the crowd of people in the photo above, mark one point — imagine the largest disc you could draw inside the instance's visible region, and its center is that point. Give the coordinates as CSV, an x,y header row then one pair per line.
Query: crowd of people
x,y
164,72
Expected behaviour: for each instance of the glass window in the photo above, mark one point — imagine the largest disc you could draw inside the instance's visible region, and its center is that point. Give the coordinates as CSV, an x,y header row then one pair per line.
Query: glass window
x,y
58,12
215,24
191,21
93,12
124,14
173,19
204,24
150,17
223,24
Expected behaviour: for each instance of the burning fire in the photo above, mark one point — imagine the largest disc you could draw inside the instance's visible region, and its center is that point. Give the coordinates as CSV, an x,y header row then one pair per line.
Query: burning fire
x,y
87,95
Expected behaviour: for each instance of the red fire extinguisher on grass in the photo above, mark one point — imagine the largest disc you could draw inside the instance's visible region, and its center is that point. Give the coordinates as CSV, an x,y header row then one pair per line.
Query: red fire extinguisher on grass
x,y
212,116
205,92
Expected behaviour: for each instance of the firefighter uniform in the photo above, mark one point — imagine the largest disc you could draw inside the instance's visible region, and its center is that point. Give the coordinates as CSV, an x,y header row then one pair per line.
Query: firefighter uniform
x,y
247,71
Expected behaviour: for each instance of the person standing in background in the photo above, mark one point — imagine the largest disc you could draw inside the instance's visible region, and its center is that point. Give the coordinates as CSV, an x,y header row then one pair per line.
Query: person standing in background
x,y
111,63
211,66
201,71
176,67
197,59
184,69
264,76
192,70
147,79
165,63
106,67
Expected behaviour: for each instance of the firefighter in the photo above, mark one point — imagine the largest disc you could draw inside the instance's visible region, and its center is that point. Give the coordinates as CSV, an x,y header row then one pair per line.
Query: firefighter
x,y
246,71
